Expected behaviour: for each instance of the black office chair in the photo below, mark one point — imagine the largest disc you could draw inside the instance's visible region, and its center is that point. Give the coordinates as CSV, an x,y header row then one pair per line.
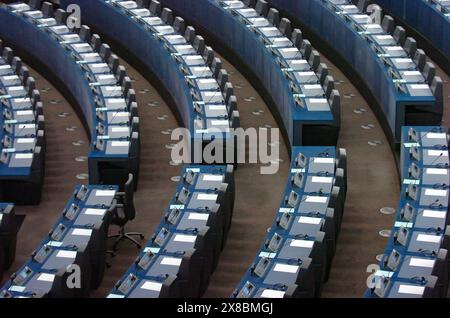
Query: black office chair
x,y
124,212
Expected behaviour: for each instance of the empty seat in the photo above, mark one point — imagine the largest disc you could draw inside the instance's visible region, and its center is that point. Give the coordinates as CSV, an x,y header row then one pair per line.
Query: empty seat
x,y
410,46
362,5
306,49
222,78
314,60
216,66
335,103
250,3
328,85
322,72
85,33
436,88
96,42
297,38
262,7
155,7
113,63
399,35
47,9
285,27
8,55
388,24
199,44
35,4
189,35
274,17
178,25
429,71
143,3
420,59
208,55
61,16
167,16
105,51
16,65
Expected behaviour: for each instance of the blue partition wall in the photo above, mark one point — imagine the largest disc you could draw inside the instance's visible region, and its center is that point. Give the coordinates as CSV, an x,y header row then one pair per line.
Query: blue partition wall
x,y
302,127
36,41
398,108
425,16
150,48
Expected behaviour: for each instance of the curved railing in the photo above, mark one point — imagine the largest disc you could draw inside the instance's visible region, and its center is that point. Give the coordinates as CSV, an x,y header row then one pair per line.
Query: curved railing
x,y
91,74
22,133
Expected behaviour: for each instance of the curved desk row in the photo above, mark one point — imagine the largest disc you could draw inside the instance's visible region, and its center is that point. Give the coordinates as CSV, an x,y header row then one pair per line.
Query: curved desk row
x,y
185,248
92,76
22,133
75,244
284,63
415,262
181,61
296,257
8,236
395,71
431,18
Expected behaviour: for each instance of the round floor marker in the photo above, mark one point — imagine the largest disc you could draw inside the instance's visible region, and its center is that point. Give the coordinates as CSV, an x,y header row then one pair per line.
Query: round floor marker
x,y
368,126
81,158
385,233
144,91
71,128
153,104
63,115
267,126
45,89
163,117
82,176
55,101
387,210
175,179
170,146
78,143
175,162
348,96
248,100
379,257
374,143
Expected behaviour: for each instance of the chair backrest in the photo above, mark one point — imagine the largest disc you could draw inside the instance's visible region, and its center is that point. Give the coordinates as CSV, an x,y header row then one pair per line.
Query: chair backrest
x,y
143,3
250,3
85,33
274,17
113,63
155,7
323,72
437,88
306,49
335,103
179,26
420,59
128,200
222,78
1,45
216,66
297,38
47,9
96,42
228,91
189,35
167,16
35,4
8,55
388,24
105,51
61,16
262,7
314,60
410,46
232,103
285,27
362,5
429,71
16,65
399,35
208,55
199,44
328,85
